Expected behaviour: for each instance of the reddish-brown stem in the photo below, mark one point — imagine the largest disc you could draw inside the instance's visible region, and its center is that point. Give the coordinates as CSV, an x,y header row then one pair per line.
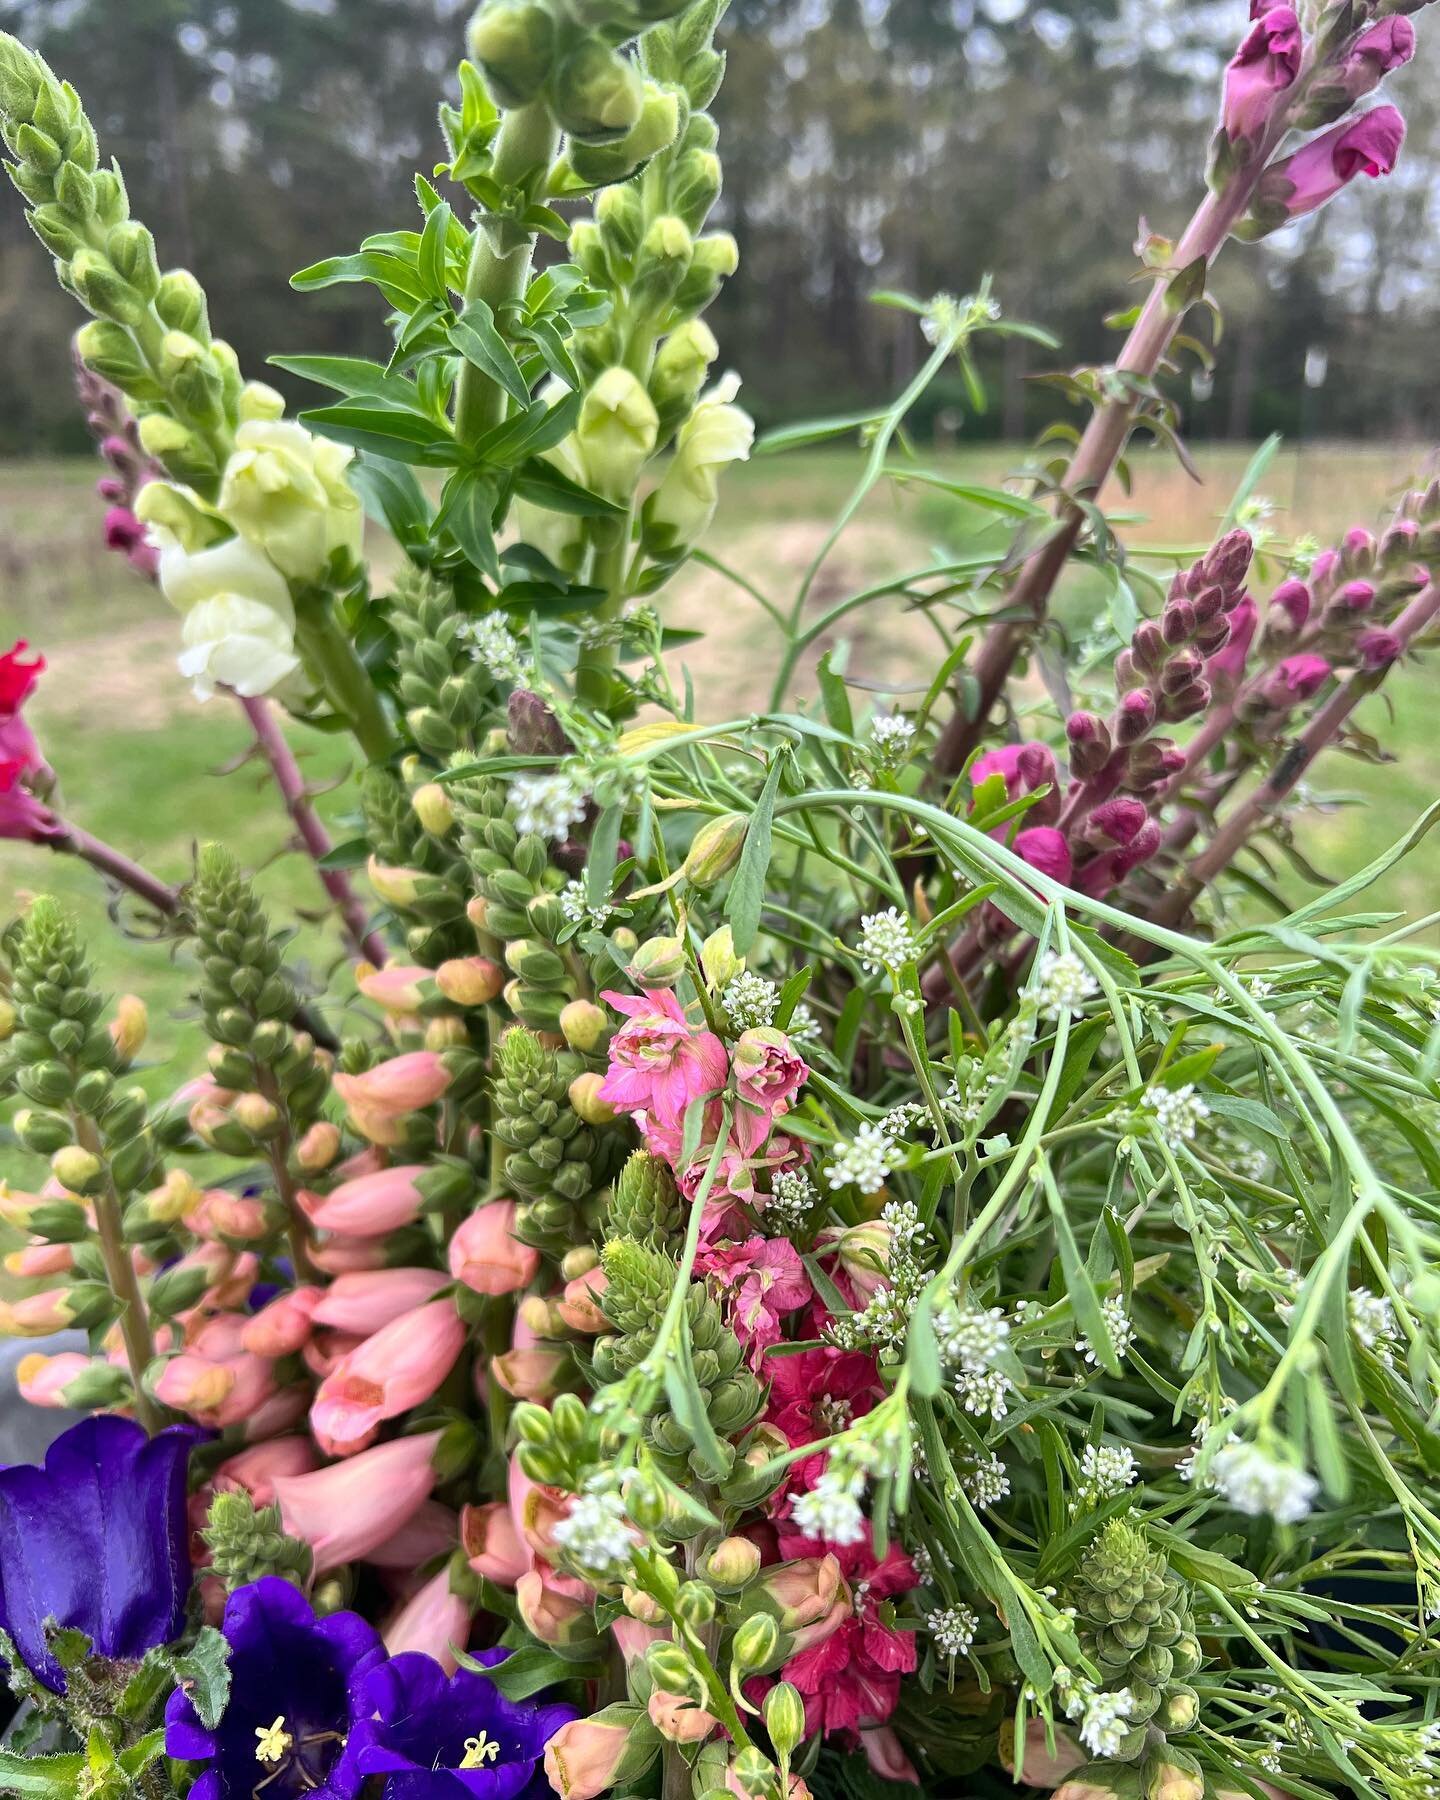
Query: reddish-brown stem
x,y
276,750
117,867
1094,461
1322,730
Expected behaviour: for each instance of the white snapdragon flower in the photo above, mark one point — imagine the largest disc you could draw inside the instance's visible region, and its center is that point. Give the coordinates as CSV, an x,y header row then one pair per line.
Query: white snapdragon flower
x,y
285,490
239,626
716,434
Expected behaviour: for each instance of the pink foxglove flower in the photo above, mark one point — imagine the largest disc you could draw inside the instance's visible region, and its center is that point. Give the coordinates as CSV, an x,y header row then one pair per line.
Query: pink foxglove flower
x,y
659,1062
396,1369
436,1623
368,1300
492,1545
486,1255
351,1508
371,1206
383,1097
1260,73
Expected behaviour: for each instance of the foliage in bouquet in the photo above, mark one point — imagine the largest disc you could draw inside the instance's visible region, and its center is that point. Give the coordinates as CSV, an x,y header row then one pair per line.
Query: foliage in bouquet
x,y
828,1249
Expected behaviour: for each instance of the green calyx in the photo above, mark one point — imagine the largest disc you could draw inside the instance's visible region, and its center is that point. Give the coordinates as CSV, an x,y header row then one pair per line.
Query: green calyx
x,y
554,1156
1135,1623
646,1203
247,1542
433,908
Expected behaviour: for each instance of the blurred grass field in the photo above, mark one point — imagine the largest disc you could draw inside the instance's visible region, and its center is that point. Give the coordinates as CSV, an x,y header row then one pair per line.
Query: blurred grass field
x,y
139,758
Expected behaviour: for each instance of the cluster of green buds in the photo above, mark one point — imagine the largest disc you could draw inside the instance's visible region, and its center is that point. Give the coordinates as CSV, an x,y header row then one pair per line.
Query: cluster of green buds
x,y
151,335
639,1283
70,1067
415,865
448,697
1134,1624
248,1542
556,1160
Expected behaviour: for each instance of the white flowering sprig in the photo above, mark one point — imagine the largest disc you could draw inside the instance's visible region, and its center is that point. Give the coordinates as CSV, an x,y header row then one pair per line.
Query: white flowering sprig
x,y
887,942
864,1161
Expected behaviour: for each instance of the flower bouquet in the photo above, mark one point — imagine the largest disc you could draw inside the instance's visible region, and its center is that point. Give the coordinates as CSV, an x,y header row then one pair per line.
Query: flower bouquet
x,y
797,1254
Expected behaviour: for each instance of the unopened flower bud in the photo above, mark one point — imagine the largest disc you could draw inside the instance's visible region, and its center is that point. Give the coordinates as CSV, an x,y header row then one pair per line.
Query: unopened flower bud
x,y
1399,542
260,402
1089,739
77,1170
585,1026
319,1147
582,1260
753,1773
598,94
785,1717
1376,649
719,960
756,1643
1178,1712
672,1670
586,1101
130,1026
1134,716
396,887
446,1033
617,433
658,963
514,43
732,1563
1186,702
259,1116
1115,821
470,980
1127,674
695,1603
1148,647
642,1606
1228,563
1182,668
715,849
175,1197
1177,622
433,808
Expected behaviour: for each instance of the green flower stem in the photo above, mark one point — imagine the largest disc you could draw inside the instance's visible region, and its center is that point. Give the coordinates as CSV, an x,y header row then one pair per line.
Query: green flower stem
x,y
504,250
297,1229
597,659
345,680
123,1282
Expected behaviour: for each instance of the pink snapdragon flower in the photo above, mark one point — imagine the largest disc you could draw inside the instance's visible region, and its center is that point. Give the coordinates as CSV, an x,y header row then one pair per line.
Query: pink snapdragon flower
x,y
769,1071
383,1097
1387,45
1023,768
1369,145
765,1280
22,817
851,1681
368,1300
1261,71
1225,670
659,1062
18,743
370,1206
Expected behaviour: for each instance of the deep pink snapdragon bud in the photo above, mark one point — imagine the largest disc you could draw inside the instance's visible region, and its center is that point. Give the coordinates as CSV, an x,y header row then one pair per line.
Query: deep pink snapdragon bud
x,y
1377,649
1228,562
1225,670
1115,822
1289,608
1038,769
1386,46
1369,145
1212,601
1140,849
1260,74
1185,702
1297,678
1134,716
1178,621
1357,551
1400,542
1090,744
1045,849
1148,646
112,488
1182,669
1325,570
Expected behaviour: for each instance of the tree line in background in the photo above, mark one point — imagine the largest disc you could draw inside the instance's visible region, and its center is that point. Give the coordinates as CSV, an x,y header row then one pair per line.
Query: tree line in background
x,y
869,143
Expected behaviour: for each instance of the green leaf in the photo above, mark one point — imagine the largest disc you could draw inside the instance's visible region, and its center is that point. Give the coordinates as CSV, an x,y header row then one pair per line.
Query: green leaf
x,y
204,1673
922,1352
139,1756
527,1671
543,334
477,338
746,899
349,375
1251,479
548,486
434,242
388,431
393,498
530,433
814,431
834,695
466,511
1078,1285
396,279
44,1777
604,848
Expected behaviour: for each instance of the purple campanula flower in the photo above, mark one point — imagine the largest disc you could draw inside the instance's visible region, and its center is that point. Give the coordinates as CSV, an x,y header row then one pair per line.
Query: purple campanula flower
x,y
452,1738
296,1690
1261,71
97,1540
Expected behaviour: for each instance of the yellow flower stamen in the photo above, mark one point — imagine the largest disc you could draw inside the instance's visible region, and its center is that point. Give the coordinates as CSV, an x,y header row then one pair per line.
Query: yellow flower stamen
x,y
479,1751
275,1742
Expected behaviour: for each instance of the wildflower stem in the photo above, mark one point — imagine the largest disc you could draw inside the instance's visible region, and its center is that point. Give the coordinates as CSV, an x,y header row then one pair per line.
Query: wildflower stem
x,y
119,868
345,679
122,1280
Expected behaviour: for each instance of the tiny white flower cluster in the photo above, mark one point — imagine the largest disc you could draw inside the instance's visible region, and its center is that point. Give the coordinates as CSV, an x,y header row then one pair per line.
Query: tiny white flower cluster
x,y
886,941
984,1481
907,1229
494,644
1117,1323
1179,1112
831,1509
1062,984
792,1198
546,805
578,910
984,1393
1105,1470
954,1629
750,1001
969,1338
973,1101
1100,1714
884,1323
596,1533
891,735
1372,1319
864,1162
1258,1485
803,1025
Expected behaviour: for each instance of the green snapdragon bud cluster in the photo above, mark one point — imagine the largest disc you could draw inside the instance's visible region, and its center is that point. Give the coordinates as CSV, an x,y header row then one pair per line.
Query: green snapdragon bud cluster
x,y
417,871
446,695
640,1280
248,1001
645,1205
66,1063
565,56
247,1543
1134,1622
518,901
151,336
555,1161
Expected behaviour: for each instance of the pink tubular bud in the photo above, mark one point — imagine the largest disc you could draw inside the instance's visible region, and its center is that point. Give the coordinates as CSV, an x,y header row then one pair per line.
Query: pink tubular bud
x,y
282,1327
369,1206
435,1624
257,1469
1399,543
1115,822
1228,562
1211,602
1177,622
1377,649
1127,674
486,1255
1369,146
318,1148
1297,678
492,1545
363,1301
1355,597
1045,849
1140,849
1134,716
1148,647
1260,74
345,1511
1289,607
1089,740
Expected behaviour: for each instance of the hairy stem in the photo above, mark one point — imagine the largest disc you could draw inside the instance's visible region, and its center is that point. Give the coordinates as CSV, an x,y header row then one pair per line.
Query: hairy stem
x,y
117,867
291,783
